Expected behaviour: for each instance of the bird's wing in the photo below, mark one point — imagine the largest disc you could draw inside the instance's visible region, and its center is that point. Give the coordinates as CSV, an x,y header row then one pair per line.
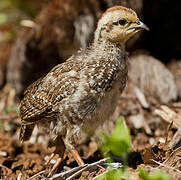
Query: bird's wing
x,y
73,82
41,96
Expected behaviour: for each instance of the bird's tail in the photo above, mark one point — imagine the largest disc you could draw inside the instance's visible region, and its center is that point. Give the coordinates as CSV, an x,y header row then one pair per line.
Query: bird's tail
x,y
25,132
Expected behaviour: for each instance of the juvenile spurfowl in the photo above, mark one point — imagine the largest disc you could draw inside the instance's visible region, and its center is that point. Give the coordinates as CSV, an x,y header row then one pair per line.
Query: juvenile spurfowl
x,y
82,92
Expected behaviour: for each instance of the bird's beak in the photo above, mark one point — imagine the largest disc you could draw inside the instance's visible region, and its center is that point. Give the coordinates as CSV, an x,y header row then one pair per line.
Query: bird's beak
x,y
139,26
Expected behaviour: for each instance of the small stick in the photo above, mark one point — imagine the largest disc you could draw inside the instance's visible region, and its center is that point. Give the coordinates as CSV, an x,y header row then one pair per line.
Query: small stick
x,y
77,170
169,167
175,140
19,176
69,172
8,117
169,115
36,175
169,128
77,173
141,97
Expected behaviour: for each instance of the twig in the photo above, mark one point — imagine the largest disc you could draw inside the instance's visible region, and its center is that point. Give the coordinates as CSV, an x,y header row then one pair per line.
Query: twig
x,y
77,173
77,170
169,115
173,118
8,117
89,166
19,176
168,130
175,140
2,153
141,97
69,172
36,175
111,166
168,167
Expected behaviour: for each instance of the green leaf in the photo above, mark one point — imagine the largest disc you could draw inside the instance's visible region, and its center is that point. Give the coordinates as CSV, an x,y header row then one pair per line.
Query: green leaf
x,y
111,175
3,18
119,142
158,175
13,108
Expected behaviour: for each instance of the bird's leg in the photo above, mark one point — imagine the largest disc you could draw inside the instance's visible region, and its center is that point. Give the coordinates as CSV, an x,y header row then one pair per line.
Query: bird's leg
x,y
70,139
77,157
55,166
60,149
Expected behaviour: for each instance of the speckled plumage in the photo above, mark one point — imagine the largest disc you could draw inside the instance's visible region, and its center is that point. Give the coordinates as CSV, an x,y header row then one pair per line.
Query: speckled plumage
x,y
78,90
82,92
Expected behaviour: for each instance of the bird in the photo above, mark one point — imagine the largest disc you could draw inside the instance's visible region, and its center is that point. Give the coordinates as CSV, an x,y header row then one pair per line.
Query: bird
x,y
82,93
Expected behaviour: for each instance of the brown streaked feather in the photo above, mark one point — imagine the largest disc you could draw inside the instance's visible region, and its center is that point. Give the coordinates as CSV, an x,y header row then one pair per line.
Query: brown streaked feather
x,y
41,97
25,132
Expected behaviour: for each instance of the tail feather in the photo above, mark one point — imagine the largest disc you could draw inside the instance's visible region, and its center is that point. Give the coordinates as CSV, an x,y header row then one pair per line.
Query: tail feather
x,y
25,132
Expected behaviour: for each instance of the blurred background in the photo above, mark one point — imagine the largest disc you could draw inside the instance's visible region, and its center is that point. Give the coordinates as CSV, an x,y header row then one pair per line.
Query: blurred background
x,y
36,35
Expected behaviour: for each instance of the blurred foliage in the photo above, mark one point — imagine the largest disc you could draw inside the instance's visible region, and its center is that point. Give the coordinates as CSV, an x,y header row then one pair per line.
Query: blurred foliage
x,y
118,143
23,6
112,175
11,14
125,174
12,109
3,18
1,125
144,175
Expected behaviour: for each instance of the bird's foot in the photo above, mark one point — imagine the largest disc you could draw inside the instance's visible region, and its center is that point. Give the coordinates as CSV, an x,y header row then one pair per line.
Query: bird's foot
x,y
59,149
55,167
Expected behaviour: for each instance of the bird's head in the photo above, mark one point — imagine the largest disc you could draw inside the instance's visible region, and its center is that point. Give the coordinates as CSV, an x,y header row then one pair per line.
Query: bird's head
x,y
118,24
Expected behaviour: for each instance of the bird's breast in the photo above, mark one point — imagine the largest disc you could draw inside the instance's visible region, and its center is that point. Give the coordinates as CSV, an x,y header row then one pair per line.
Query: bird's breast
x,y
106,106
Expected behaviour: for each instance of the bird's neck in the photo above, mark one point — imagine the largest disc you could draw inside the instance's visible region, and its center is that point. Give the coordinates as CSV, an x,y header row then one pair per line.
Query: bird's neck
x,y
108,49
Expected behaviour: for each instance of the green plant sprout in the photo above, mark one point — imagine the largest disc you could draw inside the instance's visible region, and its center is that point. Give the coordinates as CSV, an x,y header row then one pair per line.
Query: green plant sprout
x,y
158,175
3,18
118,143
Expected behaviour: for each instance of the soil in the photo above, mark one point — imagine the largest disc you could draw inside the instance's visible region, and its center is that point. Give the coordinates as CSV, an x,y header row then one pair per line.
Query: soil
x,y
151,148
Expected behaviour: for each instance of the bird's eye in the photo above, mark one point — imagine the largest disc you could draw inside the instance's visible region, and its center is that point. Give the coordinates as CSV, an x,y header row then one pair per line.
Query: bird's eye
x,y
122,22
